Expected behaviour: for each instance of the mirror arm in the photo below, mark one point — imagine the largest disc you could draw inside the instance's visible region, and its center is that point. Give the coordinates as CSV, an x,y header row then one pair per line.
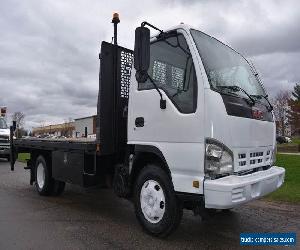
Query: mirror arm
x,y
143,24
155,86
142,56
162,101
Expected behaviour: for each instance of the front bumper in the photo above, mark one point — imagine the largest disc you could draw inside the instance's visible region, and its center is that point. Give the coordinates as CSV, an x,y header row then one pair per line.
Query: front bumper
x,y
233,190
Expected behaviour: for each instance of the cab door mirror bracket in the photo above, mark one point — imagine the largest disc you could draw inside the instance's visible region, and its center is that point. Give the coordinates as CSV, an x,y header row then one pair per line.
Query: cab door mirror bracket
x,y
142,57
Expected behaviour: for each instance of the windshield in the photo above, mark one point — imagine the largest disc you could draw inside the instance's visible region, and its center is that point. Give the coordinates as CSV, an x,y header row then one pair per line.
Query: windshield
x,y
3,124
225,67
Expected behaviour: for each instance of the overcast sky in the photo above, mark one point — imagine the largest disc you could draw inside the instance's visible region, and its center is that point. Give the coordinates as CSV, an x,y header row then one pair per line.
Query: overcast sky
x,y
49,49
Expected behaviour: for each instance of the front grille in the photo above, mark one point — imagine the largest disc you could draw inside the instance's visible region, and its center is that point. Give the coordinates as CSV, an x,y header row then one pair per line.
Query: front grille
x,y
242,159
253,159
4,141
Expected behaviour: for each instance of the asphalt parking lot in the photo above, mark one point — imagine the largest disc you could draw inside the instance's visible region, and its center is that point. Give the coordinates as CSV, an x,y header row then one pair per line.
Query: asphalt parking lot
x,y
96,219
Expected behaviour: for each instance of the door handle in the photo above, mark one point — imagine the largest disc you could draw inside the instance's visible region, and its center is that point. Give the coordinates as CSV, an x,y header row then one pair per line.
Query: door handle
x,y
139,122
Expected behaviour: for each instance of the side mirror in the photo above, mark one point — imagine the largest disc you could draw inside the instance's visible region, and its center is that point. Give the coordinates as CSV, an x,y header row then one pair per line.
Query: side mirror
x,y
142,53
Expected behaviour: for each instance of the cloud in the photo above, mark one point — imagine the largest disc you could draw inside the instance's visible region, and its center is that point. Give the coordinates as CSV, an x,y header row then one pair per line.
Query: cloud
x,y
49,49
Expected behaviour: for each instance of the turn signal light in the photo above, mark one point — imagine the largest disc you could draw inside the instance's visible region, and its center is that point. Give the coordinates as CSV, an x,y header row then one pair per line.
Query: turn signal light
x,y
196,184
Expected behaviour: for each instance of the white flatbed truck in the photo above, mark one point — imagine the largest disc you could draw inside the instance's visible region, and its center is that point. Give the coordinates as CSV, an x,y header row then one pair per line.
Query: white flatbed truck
x,y
183,122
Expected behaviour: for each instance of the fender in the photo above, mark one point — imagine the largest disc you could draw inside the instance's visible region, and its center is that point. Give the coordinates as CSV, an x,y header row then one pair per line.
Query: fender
x,y
141,149
150,149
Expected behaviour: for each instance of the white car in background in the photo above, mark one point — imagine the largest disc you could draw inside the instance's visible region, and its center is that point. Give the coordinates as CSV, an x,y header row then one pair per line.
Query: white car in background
x,y
288,139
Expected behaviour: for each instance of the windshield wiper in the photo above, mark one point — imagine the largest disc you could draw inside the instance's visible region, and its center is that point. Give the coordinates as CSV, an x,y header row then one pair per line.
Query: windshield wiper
x,y
270,108
236,88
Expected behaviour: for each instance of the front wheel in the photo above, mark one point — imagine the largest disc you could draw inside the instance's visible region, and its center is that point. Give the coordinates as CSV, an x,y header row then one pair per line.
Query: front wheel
x,y
156,206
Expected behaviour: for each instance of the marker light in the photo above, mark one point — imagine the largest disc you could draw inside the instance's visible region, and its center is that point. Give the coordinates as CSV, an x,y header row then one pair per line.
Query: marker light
x,y
116,18
196,184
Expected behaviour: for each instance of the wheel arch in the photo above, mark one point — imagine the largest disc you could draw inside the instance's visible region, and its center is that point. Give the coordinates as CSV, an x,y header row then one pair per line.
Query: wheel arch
x,y
145,154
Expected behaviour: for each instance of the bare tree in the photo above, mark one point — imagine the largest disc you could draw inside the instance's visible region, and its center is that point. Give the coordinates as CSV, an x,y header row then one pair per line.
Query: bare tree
x,y
19,118
281,111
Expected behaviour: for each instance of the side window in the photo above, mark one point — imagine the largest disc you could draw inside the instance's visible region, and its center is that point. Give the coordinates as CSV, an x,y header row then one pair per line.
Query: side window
x,y
172,69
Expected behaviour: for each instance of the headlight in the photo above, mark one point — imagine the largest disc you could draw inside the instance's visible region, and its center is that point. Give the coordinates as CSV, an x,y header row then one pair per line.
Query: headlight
x,y
218,158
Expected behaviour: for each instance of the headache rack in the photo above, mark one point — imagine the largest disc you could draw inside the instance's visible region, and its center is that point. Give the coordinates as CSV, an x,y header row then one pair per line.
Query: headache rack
x,y
114,80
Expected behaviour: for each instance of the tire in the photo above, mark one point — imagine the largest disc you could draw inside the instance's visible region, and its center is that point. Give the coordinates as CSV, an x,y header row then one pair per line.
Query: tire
x,y
44,182
156,206
58,187
8,158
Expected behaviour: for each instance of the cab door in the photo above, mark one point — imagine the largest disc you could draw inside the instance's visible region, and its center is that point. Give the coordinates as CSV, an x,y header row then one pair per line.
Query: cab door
x,y
176,131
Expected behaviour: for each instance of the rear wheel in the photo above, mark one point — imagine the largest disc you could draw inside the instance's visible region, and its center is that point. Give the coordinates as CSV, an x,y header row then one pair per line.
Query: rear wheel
x,y
156,206
43,180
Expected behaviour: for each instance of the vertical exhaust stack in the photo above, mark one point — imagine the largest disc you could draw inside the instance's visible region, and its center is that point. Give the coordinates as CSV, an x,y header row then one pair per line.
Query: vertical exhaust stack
x,y
115,21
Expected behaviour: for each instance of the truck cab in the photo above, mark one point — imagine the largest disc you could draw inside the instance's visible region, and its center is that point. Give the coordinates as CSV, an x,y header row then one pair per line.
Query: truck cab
x,y
217,132
4,139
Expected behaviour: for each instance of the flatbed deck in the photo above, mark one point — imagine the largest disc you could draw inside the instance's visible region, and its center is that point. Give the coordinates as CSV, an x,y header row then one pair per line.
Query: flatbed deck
x,y
87,144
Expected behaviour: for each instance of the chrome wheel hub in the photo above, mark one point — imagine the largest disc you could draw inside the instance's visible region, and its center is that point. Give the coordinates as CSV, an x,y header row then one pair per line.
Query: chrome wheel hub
x,y
153,201
40,175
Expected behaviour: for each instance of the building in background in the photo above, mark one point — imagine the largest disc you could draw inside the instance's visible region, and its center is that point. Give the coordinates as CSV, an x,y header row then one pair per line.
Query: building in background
x,y
64,129
75,128
81,124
